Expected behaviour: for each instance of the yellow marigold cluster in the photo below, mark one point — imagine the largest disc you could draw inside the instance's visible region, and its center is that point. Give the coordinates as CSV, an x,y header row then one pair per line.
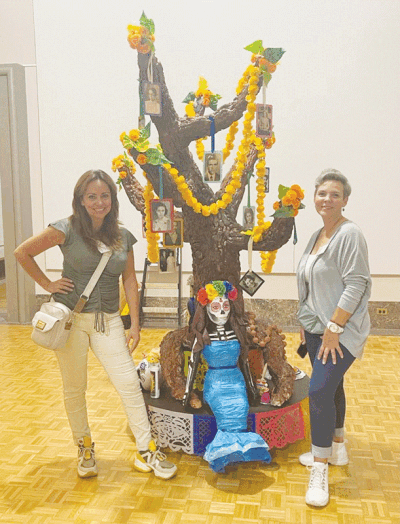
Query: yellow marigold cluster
x,y
268,260
258,231
200,148
230,139
292,198
139,38
152,238
123,165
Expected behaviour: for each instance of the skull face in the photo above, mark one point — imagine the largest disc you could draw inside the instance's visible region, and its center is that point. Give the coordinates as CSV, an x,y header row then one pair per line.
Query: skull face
x,y
218,310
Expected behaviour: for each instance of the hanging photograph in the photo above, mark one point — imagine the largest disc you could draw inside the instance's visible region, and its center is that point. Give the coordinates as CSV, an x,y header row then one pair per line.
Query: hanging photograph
x,y
266,180
167,262
152,99
251,282
212,166
175,238
162,215
264,120
248,217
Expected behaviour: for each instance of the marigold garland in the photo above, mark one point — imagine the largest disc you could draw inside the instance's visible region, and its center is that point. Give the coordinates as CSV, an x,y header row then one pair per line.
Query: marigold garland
x,y
152,238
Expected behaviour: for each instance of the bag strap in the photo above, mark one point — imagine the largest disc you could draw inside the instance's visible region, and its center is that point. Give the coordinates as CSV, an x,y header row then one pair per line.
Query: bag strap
x,y
92,282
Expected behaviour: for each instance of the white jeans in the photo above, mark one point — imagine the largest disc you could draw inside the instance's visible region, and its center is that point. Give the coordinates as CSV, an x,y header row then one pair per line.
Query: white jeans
x,y
111,350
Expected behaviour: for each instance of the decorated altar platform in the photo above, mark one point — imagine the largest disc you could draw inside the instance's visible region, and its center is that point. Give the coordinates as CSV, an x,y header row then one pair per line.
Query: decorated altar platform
x,y
191,430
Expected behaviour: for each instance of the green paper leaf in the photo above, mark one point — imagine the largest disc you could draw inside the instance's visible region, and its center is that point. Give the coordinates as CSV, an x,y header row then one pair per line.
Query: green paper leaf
x,y
284,212
148,23
267,77
127,142
141,145
273,54
189,98
282,190
153,156
302,206
256,47
145,132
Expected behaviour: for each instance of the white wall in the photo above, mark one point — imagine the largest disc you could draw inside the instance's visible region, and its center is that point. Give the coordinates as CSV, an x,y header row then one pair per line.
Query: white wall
x,y
335,97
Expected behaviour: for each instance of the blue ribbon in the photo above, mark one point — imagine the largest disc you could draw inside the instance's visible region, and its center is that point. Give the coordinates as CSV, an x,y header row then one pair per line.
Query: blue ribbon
x,y
161,192
212,133
294,233
141,99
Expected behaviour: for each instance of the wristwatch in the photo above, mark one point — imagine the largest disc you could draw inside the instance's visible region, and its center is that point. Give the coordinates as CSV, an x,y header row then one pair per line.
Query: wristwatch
x,y
334,328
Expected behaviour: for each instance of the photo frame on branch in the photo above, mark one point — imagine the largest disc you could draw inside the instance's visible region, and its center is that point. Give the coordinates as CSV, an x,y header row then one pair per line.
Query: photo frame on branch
x,y
212,166
161,215
251,282
263,120
175,238
167,261
248,217
152,99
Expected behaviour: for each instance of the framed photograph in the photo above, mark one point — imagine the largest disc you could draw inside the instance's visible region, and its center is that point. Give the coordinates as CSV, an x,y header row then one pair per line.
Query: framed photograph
x,y
248,217
212,166
161,215
266,180
175,238
152,99
167,262
264,120
251,282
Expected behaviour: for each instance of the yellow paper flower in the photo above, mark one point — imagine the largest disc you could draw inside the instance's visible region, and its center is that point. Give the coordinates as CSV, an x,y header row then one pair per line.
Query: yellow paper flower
x,y
211,292
134,134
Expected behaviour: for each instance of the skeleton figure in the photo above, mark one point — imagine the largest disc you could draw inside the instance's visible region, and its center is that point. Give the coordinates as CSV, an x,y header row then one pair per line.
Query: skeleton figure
x,y
225,383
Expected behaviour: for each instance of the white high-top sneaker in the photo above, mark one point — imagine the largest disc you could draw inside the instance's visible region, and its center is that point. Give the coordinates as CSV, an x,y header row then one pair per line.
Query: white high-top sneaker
x,y
339,455
318,486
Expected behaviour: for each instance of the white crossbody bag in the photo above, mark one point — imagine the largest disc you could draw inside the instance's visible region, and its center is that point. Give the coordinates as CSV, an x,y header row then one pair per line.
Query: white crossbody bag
x,y
52,323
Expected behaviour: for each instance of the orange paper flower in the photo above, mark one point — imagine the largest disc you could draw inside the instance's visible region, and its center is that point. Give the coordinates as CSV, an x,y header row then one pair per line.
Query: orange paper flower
x,y
141,159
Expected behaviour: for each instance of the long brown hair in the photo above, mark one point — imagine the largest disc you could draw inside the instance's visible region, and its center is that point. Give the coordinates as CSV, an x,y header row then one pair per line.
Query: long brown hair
x,y
109,232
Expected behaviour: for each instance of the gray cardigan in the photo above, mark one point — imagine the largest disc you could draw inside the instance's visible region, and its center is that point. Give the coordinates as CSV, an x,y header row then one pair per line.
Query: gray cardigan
x,y
339,278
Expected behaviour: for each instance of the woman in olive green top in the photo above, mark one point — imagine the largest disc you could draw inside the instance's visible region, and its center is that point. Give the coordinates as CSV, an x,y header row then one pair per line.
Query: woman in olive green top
x,y
92,229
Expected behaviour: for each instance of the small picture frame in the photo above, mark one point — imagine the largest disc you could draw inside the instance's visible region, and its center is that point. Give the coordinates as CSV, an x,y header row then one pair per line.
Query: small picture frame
x,y
152,99
161,215
175,238
248,217
212,166
167,262
251,282
266,180
264,120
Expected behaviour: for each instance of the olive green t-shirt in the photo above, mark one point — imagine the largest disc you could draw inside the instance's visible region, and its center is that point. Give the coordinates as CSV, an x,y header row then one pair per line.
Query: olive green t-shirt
x,y
80,263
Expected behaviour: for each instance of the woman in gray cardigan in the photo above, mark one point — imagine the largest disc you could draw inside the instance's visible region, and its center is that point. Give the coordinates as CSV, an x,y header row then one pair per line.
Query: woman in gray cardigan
x,y
334,286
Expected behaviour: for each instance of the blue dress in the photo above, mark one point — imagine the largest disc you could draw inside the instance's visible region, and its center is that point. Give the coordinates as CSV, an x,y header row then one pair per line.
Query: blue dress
x,y
225,393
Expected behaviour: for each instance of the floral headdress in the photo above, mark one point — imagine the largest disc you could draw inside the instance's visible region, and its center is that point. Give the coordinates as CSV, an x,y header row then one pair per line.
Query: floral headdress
x,y
216,288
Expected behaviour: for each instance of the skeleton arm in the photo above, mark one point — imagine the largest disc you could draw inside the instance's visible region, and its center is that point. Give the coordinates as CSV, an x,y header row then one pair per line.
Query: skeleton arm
x,y
192,370
252,392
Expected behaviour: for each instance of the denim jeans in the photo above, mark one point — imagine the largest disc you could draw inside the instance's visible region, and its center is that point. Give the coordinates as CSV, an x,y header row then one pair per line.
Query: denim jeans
x,y
326,396
111,350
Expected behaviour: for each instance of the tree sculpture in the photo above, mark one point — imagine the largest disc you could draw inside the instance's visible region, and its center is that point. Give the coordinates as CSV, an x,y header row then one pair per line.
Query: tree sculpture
x,y
210,226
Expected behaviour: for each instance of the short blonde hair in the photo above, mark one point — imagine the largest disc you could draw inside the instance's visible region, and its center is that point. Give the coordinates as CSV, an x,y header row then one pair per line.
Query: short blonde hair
x,y
334,174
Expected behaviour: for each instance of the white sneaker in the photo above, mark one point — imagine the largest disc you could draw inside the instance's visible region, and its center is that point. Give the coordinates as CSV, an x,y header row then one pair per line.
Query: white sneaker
x,y
339,455
154,459
318,487
87,466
